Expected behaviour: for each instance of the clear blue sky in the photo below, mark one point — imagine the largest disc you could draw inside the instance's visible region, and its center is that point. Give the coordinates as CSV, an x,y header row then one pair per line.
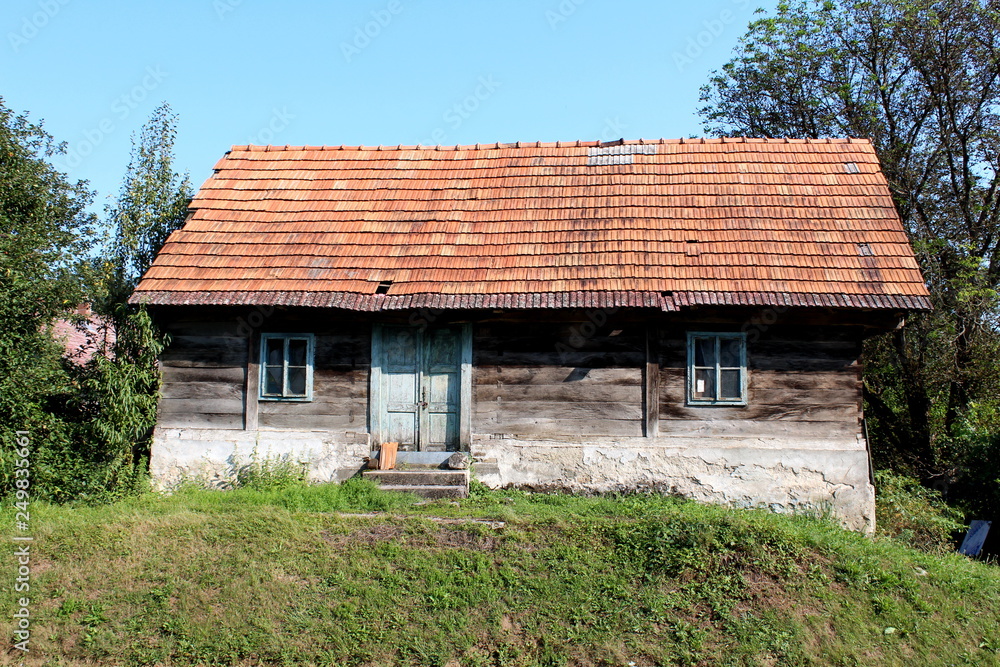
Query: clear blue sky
x,y
362,72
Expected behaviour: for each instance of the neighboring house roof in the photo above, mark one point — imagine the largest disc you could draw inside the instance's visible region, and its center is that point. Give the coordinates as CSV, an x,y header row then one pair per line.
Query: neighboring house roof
x,y
660,224
84,337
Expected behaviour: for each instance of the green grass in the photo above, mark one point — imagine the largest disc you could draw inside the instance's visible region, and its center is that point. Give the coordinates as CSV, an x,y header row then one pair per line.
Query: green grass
x,y
347,575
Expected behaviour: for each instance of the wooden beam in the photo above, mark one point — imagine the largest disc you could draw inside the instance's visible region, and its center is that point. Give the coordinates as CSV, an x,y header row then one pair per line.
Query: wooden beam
x,y
465,406
375,387
252,386
651,395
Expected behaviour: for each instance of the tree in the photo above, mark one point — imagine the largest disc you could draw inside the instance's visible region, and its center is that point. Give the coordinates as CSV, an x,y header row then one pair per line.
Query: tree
x,y
88,425
118,390
921,79
152,203
45,235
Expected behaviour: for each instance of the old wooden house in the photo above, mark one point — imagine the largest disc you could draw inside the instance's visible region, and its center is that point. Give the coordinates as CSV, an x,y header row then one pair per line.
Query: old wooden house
x,y
684,316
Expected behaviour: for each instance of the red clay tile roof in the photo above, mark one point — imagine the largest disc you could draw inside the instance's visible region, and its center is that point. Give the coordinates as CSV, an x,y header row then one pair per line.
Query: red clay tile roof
x,y
84,338
658,224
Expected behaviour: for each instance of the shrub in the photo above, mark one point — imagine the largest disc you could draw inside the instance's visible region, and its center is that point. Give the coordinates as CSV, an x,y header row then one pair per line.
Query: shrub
x,y
270,472
914,514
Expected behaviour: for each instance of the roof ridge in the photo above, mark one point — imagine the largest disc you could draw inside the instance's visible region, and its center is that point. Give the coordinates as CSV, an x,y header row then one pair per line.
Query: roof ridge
x,y
579,143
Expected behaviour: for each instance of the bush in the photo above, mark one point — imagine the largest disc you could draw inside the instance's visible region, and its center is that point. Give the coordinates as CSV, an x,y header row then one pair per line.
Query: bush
x,y
913,514
270,472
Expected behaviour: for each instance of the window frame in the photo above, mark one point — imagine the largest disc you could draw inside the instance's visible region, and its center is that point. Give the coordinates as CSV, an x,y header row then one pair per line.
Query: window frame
x,y
719,336
310,356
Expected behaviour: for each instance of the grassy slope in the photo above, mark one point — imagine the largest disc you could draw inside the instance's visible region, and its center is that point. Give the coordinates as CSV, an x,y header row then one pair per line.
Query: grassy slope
x,y
251,577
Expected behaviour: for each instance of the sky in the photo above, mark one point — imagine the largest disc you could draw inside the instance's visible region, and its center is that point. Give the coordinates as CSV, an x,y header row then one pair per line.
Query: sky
x,y
365,72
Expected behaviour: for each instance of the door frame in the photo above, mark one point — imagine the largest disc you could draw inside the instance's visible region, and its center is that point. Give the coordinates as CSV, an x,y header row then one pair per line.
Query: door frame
x,y
375,417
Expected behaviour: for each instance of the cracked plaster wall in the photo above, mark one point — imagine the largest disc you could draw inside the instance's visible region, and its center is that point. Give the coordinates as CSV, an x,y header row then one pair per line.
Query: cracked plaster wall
x,y
784,475
814,476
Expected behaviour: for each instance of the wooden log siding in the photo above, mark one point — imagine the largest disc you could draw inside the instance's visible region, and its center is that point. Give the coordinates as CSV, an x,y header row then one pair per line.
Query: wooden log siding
x,y
340,386
538,380
803,381
205,379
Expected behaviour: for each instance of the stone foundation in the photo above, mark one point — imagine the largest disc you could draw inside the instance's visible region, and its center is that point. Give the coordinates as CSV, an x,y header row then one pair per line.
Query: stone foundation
x,y
814,475
215,456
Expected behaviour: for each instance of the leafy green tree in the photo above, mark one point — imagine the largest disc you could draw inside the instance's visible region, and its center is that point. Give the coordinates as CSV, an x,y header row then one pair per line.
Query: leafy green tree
x,y
921,79
45,235
118,390
152,203
88,425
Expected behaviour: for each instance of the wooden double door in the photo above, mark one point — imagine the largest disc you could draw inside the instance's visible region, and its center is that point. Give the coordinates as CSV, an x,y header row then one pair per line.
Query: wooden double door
x,y
417,386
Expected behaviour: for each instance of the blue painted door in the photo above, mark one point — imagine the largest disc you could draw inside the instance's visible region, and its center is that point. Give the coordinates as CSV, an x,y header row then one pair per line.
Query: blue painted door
x,y
421,382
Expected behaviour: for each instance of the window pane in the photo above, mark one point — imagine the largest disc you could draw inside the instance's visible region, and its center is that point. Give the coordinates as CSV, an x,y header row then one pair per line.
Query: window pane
x,y
731,386
275,351
704,352
704,384
297,381
729,352
272,381
297,352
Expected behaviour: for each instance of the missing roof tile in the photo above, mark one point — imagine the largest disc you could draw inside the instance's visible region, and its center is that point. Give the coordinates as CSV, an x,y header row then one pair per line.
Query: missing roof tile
x,y
383,287
692,248
865,250
851,168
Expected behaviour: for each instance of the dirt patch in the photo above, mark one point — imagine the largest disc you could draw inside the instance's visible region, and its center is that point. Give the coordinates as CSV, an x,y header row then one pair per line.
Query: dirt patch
x,y
447,537
466,539
368,535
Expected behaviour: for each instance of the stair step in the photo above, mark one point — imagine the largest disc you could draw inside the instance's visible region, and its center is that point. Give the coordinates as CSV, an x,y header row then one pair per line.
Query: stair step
x,y
419,459
430,492
428,477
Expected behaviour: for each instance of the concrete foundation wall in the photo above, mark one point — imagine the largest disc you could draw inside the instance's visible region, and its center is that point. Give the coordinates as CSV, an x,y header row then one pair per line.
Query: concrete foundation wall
x,y
214,457
815,475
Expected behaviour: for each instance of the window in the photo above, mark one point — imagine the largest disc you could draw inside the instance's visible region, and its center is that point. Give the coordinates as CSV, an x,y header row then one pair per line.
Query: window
x,y
286,367
717,368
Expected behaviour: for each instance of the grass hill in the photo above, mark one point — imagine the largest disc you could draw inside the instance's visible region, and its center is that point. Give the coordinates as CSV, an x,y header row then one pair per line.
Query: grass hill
x,y
347,575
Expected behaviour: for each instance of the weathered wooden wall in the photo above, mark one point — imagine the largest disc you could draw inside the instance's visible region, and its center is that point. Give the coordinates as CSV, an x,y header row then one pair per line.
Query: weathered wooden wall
x,y
340,385
532,378
205,374
586,400
539,379
804,381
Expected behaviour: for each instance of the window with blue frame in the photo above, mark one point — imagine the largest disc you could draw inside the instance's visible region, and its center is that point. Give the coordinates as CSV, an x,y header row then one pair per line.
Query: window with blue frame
x,y
286,367
717,368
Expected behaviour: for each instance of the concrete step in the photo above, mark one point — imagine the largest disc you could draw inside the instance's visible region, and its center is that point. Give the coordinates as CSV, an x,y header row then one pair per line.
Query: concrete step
x,y
428,477
419,459
430,492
